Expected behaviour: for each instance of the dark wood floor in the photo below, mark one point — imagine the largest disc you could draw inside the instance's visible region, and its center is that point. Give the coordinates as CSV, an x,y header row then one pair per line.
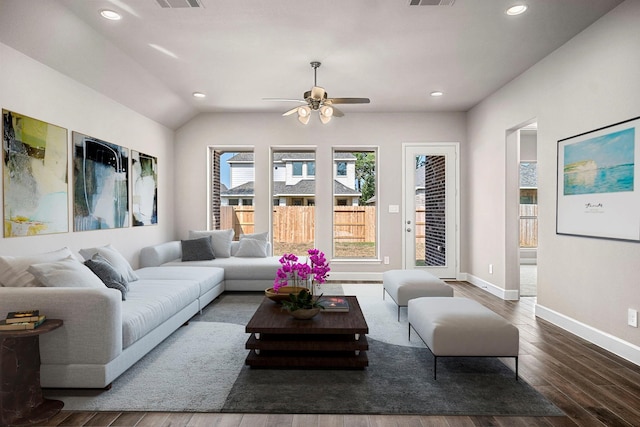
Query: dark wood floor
x,y
592,386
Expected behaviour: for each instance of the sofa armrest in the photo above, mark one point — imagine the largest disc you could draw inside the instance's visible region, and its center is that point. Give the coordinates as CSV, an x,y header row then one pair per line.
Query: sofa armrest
x,y
156,255
92,329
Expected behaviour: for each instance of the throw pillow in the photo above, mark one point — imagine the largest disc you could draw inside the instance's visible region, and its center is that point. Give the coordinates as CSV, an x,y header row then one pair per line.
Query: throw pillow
x,y
109,275
114,257
14,269
252,248
257,236
197,249
67,273
220,239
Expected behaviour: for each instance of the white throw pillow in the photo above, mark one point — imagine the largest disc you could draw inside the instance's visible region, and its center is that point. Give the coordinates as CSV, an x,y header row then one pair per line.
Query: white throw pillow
x,y
114,258
220,239
257,236
13,270
252,248
67,273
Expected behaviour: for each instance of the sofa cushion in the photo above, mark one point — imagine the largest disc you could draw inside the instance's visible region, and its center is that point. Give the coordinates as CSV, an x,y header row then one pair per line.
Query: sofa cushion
x,y
156,255
240,268
111,277
220,239
151,302
67,273
206,277
114,257
200,249
13,269
252,248
258,236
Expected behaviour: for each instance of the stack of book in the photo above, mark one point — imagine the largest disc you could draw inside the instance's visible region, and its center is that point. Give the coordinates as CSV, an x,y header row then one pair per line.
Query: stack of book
x,y
18,320
334,303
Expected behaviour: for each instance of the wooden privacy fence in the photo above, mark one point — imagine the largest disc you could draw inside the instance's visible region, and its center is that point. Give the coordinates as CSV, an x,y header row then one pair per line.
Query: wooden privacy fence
x,y
528,226
296,224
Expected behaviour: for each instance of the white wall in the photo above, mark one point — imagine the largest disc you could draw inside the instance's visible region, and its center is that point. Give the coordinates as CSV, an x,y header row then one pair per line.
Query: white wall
x,y
386,131
592,81
27,87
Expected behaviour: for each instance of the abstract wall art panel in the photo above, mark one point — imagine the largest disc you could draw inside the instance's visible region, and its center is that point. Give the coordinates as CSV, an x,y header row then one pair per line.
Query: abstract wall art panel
x,y
100,184
35,180
145,189
597,191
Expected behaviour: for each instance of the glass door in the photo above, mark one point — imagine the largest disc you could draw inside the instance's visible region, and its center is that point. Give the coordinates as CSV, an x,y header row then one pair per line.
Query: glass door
x,y
430,209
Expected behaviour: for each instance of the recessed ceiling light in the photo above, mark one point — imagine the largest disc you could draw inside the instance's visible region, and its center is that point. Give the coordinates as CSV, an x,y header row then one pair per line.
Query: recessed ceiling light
x,y
199,95
110,14
516,9
437,93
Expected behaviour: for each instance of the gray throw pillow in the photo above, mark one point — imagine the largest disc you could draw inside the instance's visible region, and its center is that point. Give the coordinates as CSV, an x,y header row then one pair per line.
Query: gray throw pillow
x,y
197,249
220,240
111,277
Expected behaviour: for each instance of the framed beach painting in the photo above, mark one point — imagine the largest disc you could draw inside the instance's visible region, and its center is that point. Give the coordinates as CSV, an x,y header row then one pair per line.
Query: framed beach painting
x,y
144,171
100,184
35,184
598,195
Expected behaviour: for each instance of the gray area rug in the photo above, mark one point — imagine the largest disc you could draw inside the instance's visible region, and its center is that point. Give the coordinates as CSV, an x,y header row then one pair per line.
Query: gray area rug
x,y
200,368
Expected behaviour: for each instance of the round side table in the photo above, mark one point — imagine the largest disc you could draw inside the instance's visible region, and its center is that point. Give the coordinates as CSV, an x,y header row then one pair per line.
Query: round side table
x,y
21,400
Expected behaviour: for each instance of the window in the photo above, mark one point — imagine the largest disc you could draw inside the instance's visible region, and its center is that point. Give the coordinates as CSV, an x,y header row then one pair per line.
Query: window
x,y
232,174
297,168
293,226
354,211
311,168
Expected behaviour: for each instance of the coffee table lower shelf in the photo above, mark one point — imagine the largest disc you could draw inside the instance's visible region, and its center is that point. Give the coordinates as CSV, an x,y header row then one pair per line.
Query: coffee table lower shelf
x,y
309,351
309,360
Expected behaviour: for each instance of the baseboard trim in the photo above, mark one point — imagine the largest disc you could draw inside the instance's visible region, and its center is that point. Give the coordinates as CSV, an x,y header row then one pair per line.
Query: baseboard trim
x,y
611,343
508,295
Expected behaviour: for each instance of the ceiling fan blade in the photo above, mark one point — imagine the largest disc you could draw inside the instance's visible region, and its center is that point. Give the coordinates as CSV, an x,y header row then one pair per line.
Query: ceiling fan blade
x,y
318,93
288,113
348,100
336,112
302,101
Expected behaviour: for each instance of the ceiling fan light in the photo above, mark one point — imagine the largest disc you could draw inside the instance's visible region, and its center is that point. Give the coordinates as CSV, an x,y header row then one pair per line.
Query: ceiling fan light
x,y
304,112
304,119
326,111
324,119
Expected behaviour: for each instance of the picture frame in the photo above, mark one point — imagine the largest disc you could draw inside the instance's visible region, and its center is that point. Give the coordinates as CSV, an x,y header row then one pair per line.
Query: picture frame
x,y
100,184
597,189
144,177
35,181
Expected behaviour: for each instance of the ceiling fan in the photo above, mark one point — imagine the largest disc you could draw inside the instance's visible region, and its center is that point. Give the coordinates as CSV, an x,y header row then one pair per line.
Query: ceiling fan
x,y
316,99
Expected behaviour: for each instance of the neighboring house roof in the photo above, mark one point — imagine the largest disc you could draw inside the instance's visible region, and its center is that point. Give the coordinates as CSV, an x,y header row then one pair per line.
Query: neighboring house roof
x,y
305,187
281,156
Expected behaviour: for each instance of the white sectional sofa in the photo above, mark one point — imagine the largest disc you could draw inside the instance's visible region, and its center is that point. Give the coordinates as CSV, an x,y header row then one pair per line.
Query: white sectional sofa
x,y
103,335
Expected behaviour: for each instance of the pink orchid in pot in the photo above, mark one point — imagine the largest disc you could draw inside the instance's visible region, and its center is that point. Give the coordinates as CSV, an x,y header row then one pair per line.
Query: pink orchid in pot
x,y
296,282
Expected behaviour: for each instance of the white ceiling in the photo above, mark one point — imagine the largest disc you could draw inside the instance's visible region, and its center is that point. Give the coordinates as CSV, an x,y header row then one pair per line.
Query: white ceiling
x,y
241,51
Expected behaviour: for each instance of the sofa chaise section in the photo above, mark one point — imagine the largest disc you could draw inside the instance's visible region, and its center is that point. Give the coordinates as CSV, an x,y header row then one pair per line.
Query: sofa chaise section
x,y
240,273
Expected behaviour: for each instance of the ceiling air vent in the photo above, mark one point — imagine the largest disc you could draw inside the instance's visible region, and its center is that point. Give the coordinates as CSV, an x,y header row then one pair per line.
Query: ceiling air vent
x,y
173,4
431,2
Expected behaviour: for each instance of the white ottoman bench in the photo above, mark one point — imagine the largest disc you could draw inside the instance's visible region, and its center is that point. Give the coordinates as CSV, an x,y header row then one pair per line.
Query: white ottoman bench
x,y
462,327
403,285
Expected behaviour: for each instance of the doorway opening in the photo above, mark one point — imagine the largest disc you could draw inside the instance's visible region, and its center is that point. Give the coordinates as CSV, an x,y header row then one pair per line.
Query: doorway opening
x,y
521,210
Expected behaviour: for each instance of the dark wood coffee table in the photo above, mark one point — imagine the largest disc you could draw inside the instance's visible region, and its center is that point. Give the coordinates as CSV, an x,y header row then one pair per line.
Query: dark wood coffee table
x,y
334,340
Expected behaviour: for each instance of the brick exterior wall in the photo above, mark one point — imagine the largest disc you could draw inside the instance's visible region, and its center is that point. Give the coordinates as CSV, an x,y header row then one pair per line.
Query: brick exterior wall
x,y
435,205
